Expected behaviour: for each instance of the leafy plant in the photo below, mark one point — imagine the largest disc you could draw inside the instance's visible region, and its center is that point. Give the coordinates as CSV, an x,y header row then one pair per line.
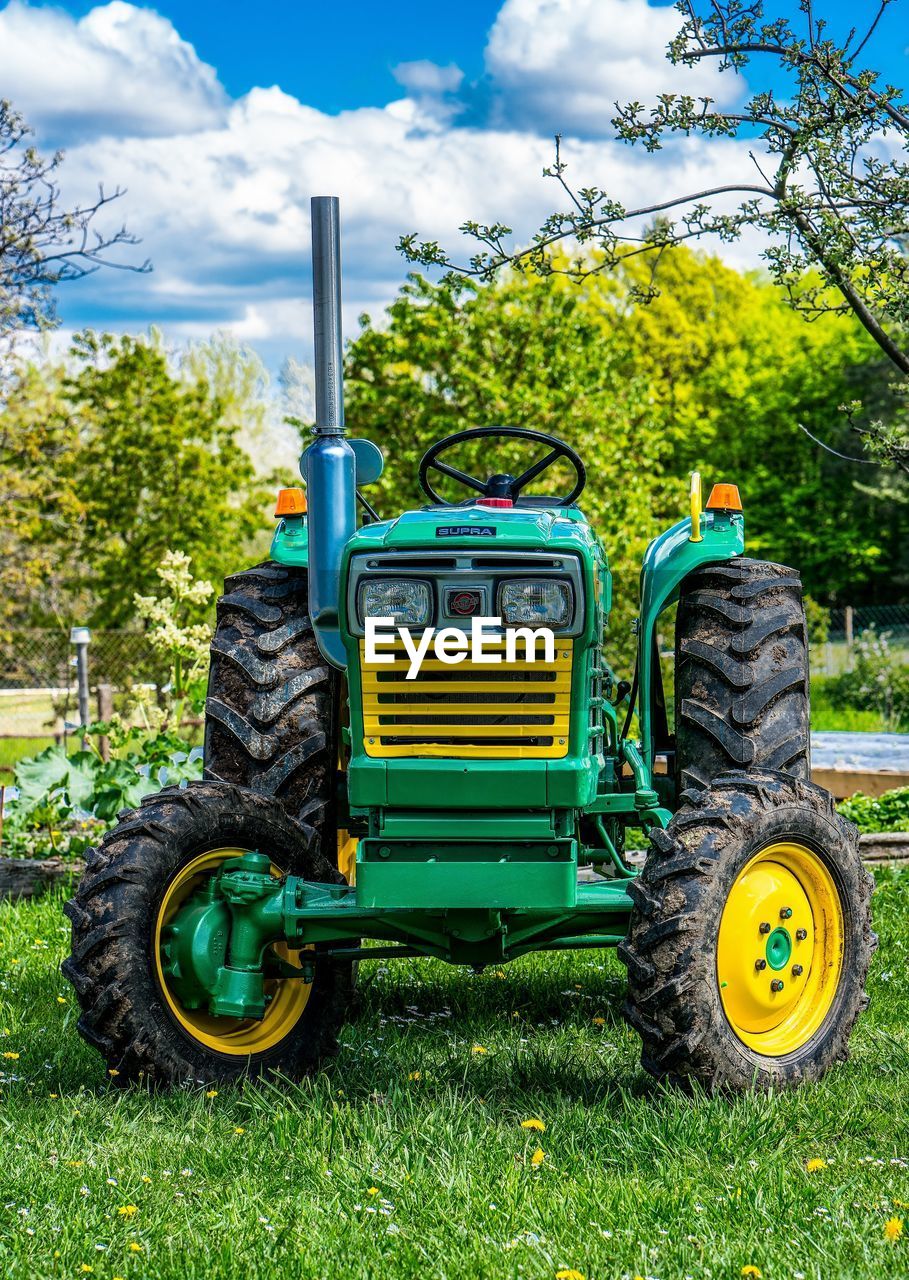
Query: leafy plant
x,y
63,803
174,632
877,680
889,812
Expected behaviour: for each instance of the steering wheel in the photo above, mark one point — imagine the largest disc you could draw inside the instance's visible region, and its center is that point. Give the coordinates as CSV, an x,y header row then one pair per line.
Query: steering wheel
x,y
500,485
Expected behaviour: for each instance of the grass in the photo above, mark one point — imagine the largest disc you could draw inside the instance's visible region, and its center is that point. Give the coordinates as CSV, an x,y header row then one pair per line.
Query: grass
x,y
371,1170
826,718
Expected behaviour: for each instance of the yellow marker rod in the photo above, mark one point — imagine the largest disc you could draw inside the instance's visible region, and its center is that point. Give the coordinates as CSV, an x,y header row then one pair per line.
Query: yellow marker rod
x,y
697,506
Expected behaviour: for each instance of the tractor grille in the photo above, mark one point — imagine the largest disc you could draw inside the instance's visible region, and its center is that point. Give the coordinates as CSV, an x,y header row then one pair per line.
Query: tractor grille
x,y
512,709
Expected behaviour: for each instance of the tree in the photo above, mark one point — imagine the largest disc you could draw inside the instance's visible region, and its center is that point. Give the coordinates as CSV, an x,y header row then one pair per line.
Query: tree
x,y
644,393
42,244
830,188
111,464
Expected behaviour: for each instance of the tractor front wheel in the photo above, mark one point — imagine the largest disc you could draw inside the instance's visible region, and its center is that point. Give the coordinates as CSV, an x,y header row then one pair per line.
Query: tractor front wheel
x,y
750,939
143,871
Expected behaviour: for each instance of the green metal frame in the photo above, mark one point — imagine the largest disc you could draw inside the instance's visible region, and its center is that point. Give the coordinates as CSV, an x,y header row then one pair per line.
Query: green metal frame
x,y
472,883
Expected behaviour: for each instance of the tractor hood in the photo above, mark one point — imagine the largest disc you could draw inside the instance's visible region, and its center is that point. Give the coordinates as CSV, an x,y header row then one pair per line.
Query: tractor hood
x,y
475,526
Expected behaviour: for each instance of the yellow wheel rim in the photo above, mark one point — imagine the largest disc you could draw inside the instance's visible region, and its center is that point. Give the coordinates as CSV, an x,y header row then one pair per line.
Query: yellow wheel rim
x,y
236,1036
780,949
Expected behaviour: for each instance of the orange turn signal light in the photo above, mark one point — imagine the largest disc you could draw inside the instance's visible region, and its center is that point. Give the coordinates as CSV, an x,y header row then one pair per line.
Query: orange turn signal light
x,y
291,502
724,497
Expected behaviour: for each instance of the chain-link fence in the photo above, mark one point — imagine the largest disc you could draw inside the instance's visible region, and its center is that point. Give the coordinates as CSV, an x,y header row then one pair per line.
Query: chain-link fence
x,y
32,659
38,678
834,653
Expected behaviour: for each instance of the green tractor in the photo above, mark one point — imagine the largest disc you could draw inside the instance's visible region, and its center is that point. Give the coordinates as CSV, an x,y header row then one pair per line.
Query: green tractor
x,y
415,746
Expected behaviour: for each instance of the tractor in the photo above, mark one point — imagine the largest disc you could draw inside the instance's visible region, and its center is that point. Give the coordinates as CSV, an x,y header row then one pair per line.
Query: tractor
x,y
477,805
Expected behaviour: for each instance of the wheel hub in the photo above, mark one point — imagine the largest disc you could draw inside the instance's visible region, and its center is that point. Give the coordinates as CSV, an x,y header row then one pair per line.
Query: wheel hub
x,y
779,949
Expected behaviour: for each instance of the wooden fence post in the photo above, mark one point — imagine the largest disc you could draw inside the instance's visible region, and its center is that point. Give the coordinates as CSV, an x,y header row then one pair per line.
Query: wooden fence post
x,y
105,696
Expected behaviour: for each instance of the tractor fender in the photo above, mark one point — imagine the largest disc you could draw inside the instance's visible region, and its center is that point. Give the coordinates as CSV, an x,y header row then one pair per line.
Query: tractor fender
x,y
668,560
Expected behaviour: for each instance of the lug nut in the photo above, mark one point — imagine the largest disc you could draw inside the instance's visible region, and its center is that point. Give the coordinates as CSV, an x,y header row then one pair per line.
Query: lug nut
x,y
765,927
785,913
796,971
776,985
801,934
760,964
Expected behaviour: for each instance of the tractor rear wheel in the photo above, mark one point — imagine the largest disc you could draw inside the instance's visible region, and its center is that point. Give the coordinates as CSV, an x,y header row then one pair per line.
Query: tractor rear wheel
x,y
741,672
271,712
133,884
750,939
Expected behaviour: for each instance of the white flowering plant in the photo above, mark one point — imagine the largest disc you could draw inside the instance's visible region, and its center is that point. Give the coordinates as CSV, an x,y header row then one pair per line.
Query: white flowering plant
x,y
173,630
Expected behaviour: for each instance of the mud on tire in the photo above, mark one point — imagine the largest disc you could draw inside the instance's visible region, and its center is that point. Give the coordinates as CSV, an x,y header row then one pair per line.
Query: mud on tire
x,y
271,712
674,1001
741,680
114,914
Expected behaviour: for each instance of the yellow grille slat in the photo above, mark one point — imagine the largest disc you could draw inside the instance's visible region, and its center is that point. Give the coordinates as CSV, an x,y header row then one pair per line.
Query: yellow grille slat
x,y
371,685
512,739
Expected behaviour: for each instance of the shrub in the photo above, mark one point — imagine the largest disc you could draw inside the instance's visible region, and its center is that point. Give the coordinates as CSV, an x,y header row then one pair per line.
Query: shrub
x,y
889,812
877,681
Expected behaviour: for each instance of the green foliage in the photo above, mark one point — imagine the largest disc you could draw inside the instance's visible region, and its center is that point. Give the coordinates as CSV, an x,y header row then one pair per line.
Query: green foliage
x,y
889,812
173,632
715,374
110,463
878,680
276,1181
65,802
817,620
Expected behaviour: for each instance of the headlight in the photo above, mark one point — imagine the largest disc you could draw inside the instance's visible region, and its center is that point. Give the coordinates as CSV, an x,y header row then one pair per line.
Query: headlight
x,y
408,603
547,603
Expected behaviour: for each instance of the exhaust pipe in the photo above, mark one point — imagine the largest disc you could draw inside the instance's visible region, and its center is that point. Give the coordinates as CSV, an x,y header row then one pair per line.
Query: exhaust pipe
x,y
329,464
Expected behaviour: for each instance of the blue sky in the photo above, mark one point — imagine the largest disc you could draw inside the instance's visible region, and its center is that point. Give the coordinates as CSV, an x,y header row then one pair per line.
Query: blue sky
x,y
221,120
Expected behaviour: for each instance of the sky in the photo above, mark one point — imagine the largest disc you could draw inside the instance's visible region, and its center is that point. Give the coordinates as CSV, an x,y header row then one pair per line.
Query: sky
x,y
221,120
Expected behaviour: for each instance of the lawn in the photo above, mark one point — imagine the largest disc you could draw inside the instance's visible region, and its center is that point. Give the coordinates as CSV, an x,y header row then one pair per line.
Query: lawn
x,y
408,1158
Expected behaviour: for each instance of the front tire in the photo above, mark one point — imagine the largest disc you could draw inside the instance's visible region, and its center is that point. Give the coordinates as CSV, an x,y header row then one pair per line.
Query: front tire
x,y
725,987
133,882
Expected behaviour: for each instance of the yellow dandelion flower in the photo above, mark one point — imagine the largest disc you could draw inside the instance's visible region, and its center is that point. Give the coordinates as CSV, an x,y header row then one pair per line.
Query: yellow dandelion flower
x,y
127,1210
893,1229
598,1021
61,1000
538,1157
53,1095
415,1075
134,1248
113,1071
533,1123
751,1270
85,1268
815,1163
212,1093
373,1191
11,1057
477,1048
145,1178
569,1273
239,1129
75,1164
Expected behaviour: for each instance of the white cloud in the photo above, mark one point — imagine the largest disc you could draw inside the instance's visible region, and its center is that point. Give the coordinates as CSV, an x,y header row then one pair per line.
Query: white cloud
x,y
428,77
558,66
119,70
223,207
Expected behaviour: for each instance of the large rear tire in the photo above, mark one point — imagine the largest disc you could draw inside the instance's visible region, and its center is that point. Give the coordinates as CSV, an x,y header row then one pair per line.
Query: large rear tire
x,y
271,713
741,672
750,939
